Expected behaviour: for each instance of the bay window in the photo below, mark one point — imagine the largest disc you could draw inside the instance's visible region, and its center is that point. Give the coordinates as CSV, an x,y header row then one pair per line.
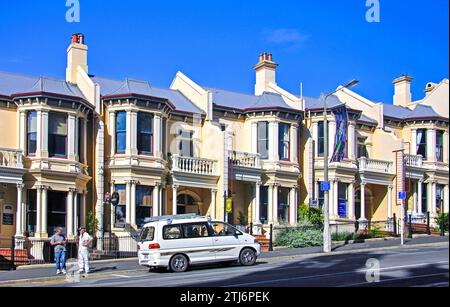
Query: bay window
x,y
263,139
320,139
31,132
440,146
422,143
57,135
145,133
284,141
121,132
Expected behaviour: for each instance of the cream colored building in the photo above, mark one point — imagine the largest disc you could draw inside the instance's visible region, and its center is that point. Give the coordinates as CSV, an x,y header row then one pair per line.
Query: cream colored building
x,y
188,148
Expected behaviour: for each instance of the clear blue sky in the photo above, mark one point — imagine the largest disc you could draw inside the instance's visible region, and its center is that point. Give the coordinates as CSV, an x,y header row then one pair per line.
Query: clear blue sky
x,y
322,43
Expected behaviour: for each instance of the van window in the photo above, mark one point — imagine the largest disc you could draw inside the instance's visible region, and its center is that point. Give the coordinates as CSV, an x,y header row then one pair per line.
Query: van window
x,y
198,230
224,230
147,234
171,232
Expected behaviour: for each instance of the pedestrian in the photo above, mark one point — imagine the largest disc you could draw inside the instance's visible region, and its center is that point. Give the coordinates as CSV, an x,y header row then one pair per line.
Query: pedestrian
x,y
58,241
84,242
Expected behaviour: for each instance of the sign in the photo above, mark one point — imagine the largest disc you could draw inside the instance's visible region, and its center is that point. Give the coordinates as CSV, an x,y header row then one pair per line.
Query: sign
x,y
402,195
314,203
115,198
229,205
342,208
341,138
8,215
326,186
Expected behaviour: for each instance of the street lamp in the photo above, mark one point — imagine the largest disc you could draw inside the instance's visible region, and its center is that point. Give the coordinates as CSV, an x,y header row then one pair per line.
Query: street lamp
x,y
326,229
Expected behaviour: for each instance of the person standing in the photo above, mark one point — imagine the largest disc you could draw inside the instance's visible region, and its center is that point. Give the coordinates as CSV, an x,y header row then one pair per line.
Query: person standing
x,y
83,251
58,241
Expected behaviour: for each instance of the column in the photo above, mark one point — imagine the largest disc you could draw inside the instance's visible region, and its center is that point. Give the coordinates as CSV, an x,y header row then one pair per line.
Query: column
x,y
317,192
128,202
155,201
363,202
44,139
351,201
38,210
273,141
254,137
213,203
133,203
431,145
75,212
433,198
71,136
83,210
275,204
112,213
112,131
39,133
351,141
331,199
257,204
446,200
174,199
315,137
293,206
69,219
331,137
270,204
335,198
85,142
133,133
129,132
161,200
157,134
415,200
446,149
414,141
389,209
22,131
19,211
419,196
294,143
44,225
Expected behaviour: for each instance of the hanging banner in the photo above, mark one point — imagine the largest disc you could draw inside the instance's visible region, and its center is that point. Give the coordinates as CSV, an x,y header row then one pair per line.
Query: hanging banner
x,y
341,138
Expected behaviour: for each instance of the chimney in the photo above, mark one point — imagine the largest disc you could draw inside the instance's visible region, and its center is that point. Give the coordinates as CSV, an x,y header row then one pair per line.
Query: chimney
x,y
429,88
402,87
76,56
265,73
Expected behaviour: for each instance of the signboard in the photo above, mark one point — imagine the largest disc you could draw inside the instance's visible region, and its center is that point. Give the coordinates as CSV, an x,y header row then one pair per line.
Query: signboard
x,y
342,208
402,195
341,138
326,186
115,198
229,205
8,215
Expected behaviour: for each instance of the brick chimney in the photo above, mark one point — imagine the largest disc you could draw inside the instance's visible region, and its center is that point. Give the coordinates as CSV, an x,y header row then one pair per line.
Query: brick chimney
x,y
265,73
402,96
76,56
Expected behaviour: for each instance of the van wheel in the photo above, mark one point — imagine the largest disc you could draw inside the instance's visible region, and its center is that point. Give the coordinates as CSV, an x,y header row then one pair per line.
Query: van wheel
x,y
247,257
179,263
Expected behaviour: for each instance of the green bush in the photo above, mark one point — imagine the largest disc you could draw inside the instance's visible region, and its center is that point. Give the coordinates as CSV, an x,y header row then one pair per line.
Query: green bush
x,y
299,238
314,216
91,224
441,219
342,236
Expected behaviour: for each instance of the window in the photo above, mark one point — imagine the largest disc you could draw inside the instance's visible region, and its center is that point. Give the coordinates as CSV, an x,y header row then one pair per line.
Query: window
x,y
342,199
121,207
422,143
186,145
31,132
263,139
186,205
145,133
81,140
57,135
143,204
121,132
362,148
171,232
320,139
147,234
31,211
440,146
264,209
225,230
440,198
56,211
283,205
424,198
198,230
284,141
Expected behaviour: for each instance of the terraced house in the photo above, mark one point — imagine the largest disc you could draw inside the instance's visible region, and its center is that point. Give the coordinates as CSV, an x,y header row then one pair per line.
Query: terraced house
x,y
190,148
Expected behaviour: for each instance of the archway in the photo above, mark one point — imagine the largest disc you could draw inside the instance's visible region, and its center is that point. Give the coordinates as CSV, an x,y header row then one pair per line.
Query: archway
x,y
188,202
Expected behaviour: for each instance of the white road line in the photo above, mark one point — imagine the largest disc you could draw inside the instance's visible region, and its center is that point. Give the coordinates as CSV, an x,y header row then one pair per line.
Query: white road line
x,y
393,279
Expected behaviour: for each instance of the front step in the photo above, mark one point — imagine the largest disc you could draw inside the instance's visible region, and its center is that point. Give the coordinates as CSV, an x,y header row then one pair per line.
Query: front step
x,y
263,241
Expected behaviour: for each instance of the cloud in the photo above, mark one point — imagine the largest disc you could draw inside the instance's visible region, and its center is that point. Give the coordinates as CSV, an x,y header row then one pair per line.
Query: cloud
x,y
285,36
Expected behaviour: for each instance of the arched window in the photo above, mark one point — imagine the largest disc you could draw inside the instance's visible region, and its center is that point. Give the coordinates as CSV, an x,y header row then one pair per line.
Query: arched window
x,y
186,204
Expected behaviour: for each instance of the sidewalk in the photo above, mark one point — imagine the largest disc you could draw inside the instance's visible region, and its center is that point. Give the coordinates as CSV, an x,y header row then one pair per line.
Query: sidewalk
x,y
111,266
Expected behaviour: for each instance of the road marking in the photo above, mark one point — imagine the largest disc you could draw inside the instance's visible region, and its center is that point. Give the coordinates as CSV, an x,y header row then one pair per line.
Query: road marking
x,y
121,276
394,279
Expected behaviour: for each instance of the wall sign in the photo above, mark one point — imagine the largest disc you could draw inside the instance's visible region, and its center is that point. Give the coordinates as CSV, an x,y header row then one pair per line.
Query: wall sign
x,y
8,215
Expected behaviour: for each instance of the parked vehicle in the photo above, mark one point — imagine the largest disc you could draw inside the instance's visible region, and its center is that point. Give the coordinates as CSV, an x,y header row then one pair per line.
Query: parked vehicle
x,y
179,242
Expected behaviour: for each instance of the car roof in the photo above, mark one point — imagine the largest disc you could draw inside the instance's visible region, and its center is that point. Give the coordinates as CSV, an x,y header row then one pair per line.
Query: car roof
x,y
177,221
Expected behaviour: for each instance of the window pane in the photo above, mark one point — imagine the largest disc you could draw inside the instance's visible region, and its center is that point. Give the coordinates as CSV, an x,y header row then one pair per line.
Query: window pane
x,y
31,132
263,139
121,132
199,230
121,208
283,205
121,121
57,134
171,232
439,145
422,143
264,211
56,211
320,140
121,142
57,123
143,204
145,122
283,141
31,211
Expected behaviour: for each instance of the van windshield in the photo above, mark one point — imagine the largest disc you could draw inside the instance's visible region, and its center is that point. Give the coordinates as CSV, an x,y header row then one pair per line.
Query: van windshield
x,y
147,234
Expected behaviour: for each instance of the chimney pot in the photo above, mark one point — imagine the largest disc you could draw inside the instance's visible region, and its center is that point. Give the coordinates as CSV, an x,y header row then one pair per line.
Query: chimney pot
x,y
74,38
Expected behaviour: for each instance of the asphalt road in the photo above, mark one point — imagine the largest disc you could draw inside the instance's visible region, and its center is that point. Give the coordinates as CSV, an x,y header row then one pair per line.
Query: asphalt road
x,y
413,266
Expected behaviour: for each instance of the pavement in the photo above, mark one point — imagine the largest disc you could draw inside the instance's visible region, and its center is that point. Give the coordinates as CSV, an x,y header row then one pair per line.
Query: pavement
x,y
421,255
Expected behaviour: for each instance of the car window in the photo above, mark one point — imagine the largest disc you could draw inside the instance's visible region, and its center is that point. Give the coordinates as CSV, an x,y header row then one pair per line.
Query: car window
x,y
171,232
147,234
223,230
198,230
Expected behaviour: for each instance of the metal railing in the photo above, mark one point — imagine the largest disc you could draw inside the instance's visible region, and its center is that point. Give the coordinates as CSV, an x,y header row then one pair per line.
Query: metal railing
x,y
245,159
11,158
413,160
366,164
194,165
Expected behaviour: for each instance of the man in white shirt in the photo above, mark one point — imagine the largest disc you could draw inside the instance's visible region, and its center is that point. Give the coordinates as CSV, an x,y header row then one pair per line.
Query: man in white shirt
x,y
83,251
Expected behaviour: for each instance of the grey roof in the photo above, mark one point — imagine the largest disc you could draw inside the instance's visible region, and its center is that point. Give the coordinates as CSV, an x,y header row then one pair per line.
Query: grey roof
x,y
366,119
13,84
242,101
403,113
317,103
109,87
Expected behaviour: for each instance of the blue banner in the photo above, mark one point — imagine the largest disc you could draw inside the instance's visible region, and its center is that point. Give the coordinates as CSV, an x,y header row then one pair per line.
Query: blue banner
x,y
341,138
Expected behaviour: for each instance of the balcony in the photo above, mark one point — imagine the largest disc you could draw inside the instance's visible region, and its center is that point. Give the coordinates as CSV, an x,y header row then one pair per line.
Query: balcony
x,y
376,171
11,166
413,160
194,172
245,159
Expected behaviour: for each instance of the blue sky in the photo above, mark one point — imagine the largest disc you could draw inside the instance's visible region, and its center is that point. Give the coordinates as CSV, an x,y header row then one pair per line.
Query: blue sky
x,y
322,43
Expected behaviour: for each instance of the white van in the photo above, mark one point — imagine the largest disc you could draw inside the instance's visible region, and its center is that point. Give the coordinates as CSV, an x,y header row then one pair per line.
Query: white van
x,y
177,242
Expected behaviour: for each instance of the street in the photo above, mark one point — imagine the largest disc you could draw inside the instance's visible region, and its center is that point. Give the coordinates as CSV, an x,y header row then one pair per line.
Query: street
x,y
405,267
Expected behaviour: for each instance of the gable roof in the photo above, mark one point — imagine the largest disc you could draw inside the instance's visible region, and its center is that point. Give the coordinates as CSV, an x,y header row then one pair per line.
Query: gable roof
x,y
403,113
111,88
317,103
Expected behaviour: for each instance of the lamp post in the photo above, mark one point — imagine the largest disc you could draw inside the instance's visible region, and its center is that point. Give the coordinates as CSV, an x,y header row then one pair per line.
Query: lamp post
x,y
326,210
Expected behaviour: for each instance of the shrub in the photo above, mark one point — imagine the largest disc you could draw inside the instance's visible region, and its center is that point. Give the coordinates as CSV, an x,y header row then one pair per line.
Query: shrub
x,y
342,236
299,238
91,224
312,215
441,219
